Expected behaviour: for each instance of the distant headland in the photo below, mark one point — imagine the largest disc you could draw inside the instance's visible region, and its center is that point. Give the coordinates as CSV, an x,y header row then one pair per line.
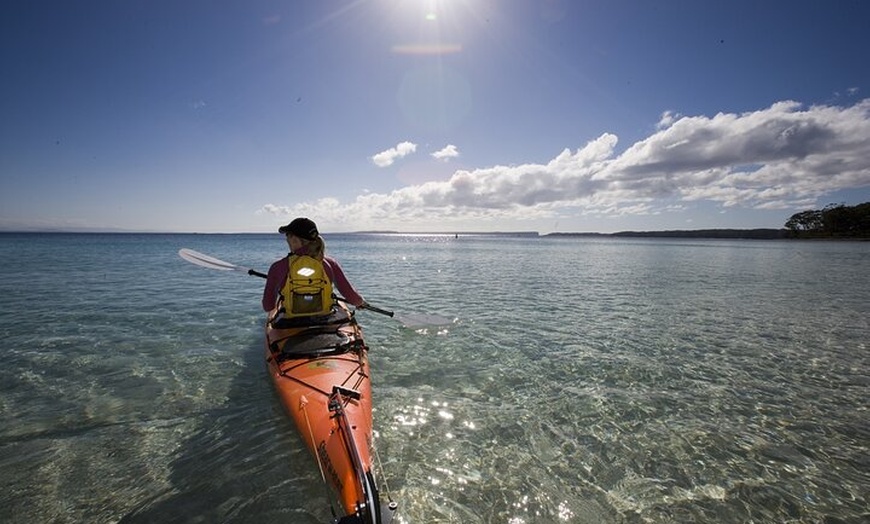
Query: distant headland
x,y
754,234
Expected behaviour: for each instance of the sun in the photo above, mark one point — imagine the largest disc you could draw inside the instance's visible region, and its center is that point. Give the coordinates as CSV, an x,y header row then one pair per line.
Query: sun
x,y
432,10
430,27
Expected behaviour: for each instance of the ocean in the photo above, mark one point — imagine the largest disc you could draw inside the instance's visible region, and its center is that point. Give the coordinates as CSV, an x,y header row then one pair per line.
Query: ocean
x,y
580,380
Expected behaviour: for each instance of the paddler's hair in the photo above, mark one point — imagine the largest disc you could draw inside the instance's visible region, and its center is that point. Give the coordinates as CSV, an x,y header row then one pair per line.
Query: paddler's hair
x,y
315,248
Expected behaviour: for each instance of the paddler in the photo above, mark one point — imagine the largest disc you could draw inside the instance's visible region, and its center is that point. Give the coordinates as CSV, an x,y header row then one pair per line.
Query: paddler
x,y
304,240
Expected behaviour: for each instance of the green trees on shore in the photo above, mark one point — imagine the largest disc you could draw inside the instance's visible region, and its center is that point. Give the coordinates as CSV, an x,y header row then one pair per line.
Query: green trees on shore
x,y
835,220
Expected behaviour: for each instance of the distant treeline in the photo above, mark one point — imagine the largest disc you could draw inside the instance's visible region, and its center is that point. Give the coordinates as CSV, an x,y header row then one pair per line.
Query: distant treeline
x,y
834,221
756,234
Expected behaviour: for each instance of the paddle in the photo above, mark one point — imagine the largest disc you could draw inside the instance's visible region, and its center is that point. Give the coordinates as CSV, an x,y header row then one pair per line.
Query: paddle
x,y
195,257
410,321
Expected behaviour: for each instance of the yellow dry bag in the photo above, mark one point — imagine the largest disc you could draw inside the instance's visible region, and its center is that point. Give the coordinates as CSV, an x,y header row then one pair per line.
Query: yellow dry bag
x,y
308,290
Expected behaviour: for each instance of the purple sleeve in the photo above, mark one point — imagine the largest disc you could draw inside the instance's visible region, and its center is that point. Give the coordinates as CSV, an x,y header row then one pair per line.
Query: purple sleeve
x,y
341,283
274,281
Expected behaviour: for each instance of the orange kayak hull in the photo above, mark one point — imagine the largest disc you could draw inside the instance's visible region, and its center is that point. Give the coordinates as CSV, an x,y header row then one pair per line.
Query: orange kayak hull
x,y
327,393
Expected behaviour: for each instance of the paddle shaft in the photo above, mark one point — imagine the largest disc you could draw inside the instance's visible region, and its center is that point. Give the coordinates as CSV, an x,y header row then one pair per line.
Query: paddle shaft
x,y
378,310
369,307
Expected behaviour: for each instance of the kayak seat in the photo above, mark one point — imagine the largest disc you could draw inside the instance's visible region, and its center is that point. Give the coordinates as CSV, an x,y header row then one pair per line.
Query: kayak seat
x,y
338,316
314,341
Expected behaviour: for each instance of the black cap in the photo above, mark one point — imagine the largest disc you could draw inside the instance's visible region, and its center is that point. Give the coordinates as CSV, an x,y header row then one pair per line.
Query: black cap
x,y
301,227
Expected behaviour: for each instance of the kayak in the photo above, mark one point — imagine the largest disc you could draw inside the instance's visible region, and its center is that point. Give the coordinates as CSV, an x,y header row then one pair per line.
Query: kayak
x,y
320,371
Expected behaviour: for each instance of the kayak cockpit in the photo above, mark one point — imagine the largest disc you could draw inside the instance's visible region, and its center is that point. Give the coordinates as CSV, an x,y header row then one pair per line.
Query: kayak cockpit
x,y
332,334
339,315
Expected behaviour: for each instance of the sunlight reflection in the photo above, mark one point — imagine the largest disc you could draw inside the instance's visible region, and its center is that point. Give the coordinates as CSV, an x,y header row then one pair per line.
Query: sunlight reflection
x,y
565,512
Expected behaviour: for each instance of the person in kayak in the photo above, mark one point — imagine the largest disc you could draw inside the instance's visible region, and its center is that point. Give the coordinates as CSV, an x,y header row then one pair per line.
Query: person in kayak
x,y
304,240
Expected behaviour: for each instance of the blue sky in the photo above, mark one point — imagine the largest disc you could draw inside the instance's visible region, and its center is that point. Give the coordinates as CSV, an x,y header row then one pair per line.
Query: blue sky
x,y
431,115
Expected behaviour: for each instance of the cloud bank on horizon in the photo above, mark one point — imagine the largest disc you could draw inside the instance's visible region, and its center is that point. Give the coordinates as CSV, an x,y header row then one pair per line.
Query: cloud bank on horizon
x,y
785,156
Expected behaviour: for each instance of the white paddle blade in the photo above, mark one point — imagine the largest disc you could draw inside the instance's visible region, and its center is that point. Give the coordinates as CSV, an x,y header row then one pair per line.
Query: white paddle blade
x,y
195,257
421,320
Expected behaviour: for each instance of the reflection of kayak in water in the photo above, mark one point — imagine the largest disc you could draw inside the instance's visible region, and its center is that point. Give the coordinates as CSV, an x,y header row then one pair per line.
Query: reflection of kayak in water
x,y
321,374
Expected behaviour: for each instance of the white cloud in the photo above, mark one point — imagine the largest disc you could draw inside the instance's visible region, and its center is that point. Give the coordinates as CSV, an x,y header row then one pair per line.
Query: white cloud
x,y
272,209
667,120
386,158
784,156
304,209
449,151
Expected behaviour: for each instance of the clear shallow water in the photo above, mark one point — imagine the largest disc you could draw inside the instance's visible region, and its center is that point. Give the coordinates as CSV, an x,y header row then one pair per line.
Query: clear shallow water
x,y
583,380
